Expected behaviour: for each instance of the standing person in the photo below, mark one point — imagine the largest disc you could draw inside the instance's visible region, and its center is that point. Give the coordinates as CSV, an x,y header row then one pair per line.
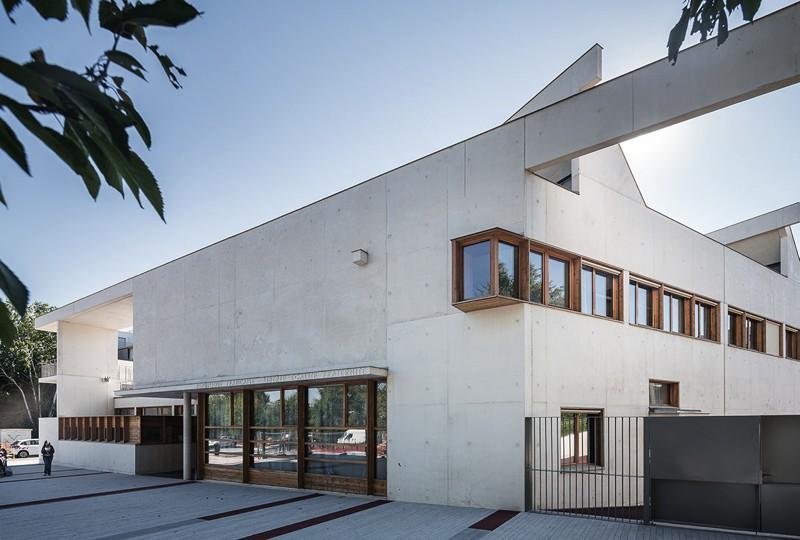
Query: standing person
x,y
47,455
3,461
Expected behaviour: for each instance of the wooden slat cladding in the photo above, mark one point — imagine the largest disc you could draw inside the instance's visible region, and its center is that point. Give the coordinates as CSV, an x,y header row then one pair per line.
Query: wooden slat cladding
x,y
273,478
116,429
224,474
344,484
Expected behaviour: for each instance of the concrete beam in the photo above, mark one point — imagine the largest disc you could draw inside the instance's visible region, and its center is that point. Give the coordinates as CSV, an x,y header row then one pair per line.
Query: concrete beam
x,y
771,221
757,58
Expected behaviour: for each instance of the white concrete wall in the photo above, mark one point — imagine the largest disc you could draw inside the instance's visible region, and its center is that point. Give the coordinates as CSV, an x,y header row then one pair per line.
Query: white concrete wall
x,y
108,457
85,355
582,361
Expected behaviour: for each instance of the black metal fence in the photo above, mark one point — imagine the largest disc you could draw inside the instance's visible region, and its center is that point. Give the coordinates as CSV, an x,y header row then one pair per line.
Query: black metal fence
x,y
585,464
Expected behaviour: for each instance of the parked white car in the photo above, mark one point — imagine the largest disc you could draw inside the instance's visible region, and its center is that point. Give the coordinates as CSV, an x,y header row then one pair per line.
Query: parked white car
x,y
25,448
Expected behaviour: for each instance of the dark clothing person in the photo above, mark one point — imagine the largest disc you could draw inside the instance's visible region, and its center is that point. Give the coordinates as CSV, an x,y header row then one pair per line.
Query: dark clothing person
x,y
3,461
47,455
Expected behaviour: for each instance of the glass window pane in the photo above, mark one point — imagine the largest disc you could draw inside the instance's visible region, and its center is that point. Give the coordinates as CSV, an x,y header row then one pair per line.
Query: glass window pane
x,y
659,394
380,397
586,289
238,401
676,309
357,405
224,447
666,318
477,274
339,444
290,407
558,282
275,449
632,303
644,314
325,406
603,295
355,470
381,454
536,277
508,257
219,410
267,408
750,333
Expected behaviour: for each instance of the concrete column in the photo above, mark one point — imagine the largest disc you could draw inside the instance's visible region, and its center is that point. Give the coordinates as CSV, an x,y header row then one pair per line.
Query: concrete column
x,y
187,436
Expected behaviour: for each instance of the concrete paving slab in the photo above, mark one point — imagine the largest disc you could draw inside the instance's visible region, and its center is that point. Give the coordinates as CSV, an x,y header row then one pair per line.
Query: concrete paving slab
x,y
177,511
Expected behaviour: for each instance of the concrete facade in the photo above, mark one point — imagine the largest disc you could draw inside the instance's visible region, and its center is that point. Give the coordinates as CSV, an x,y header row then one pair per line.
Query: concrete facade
x,y
285,298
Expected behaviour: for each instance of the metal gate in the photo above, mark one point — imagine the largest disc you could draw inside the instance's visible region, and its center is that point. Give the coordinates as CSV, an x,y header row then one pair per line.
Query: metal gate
x,y
733,472
585,464
736,472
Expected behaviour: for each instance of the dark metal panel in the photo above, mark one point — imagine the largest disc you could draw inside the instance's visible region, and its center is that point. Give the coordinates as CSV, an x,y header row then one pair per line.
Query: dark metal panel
x,y
708,448
781,441
705,503
780,509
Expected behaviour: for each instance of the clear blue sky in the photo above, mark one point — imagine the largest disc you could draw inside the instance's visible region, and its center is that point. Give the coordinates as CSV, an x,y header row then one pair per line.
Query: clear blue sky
x,y
286,103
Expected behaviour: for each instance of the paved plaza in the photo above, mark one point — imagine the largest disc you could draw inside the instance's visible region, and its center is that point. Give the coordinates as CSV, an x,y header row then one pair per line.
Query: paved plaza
x,y
80,503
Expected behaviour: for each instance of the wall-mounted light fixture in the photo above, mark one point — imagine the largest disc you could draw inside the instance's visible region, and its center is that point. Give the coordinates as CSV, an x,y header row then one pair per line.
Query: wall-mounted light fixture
x,y
360,257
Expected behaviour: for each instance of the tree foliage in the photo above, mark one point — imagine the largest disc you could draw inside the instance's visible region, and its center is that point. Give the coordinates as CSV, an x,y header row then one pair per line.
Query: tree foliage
x,y
90,114
706,16
21,358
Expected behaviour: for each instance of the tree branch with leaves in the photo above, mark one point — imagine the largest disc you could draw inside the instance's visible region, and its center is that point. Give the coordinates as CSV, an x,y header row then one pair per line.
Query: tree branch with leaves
x,y
89,114
707,16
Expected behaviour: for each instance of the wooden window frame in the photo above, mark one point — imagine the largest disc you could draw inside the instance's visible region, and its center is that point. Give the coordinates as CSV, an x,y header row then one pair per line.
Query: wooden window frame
x,y
688,310
738,328
599,434
713,326
674,392
791,335
740,332
655,293
617,309
494,298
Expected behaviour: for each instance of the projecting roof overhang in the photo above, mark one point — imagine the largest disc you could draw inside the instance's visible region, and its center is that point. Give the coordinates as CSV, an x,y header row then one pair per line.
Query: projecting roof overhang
x,y
239,383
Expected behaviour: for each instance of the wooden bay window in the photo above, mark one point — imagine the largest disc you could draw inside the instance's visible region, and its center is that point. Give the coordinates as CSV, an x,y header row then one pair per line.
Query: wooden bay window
x,y
792,343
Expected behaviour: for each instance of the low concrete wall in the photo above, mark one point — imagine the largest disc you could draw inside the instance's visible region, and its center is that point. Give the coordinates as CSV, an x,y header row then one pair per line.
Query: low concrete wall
x,y
108,457
48,431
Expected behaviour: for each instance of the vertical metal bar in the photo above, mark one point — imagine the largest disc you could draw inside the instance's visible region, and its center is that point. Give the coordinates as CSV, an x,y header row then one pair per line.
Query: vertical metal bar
x,y
528,472
616,508
547,461
647,508
604,464
637,462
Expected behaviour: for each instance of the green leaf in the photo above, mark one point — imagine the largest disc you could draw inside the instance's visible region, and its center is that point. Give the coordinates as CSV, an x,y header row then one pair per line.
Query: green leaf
x,y
11,5
749,9
88,99
50,9
13,288
77,133
118,161
2,199
147,183
24,76
722,30
170,13
140,36
64,148
7,329
677,35
11,145
126,61
138,122
168,66
84,7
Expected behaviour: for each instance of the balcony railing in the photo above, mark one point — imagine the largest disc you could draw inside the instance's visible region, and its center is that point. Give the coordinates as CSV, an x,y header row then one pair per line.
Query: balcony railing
x,y
48,370
121,429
